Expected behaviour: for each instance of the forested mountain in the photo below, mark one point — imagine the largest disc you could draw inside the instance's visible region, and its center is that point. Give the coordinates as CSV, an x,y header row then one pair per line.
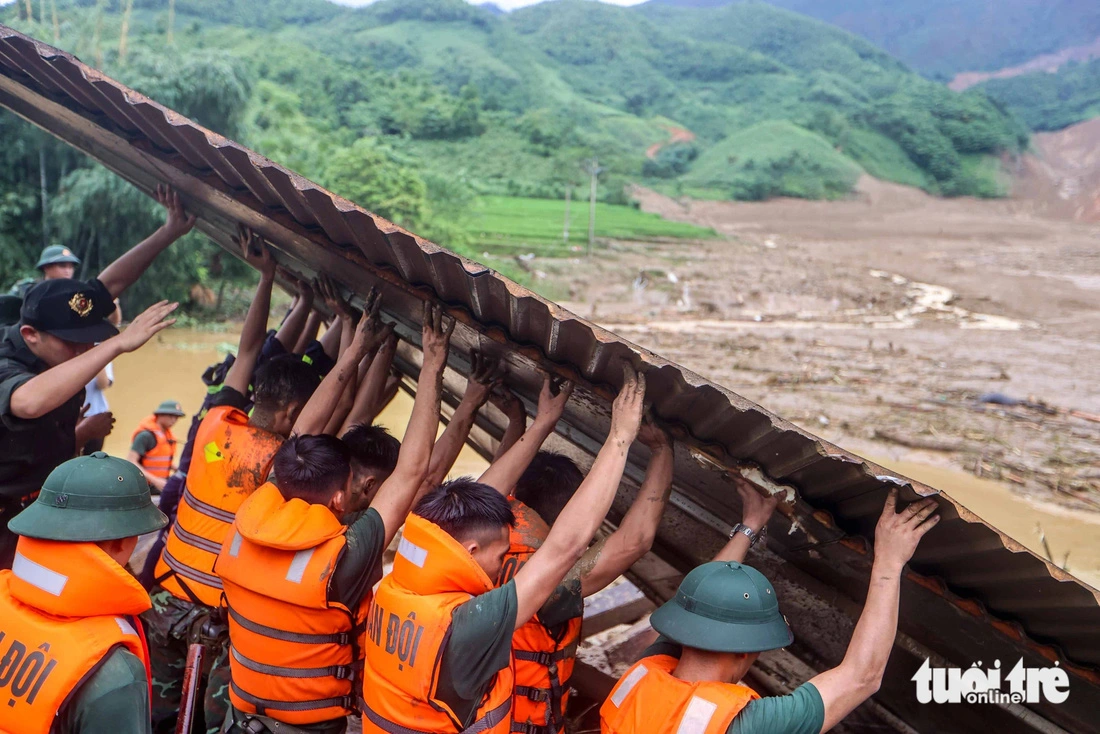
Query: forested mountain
x,y
416,107
944,37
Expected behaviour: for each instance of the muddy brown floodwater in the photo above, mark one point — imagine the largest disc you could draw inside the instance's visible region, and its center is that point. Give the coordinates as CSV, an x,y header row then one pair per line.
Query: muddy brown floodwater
x,y
171,367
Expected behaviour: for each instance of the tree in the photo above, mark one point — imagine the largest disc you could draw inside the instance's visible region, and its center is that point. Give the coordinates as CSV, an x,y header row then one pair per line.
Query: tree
x,y
370,175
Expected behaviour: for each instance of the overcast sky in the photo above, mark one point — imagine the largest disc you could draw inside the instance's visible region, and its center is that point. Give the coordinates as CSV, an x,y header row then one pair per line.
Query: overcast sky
x,y
506,4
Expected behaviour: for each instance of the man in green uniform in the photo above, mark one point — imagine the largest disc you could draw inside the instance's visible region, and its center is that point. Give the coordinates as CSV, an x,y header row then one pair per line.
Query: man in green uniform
x,y
153,447
70,597
62,341
56,261
725,614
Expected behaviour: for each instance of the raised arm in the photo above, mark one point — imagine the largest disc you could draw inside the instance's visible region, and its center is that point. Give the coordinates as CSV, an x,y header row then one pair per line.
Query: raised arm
x,y
367,396
121,274
581,517
49,390
506,402
757,509
486,373
634,536
309,333
859,675
370,331
295,322
396,495
504,473
257,254
330,340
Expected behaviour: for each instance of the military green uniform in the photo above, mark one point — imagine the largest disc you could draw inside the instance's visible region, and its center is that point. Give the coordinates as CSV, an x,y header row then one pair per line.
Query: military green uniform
x,y
92,499
742,617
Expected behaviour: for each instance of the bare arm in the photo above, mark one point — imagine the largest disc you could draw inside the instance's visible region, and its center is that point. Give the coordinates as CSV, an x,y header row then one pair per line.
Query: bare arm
x,y
581,517
313,324
484,375
364,409
859,675
257,254
49,390
318,411
292,328
757,509
503,473
121,274
396,495
330,340
634,536
507,402
335,424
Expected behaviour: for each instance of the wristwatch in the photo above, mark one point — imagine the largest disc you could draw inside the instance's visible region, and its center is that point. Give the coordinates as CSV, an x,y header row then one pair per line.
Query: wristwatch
x,y
745,530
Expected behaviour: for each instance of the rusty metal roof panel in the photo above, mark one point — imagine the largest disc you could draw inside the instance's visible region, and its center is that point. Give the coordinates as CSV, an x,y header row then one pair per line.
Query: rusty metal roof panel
x,y
972,594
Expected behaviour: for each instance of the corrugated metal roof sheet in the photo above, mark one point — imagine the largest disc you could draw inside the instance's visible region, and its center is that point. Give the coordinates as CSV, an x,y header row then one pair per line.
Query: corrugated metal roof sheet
x,y
972,595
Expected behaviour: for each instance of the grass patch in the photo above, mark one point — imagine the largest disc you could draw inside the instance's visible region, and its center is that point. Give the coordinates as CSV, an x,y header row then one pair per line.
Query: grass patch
x,y
775,158
883,158
514,224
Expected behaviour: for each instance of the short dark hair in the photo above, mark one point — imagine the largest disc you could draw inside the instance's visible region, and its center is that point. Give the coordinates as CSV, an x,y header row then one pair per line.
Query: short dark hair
x,y
281,381
312,468
548,484
465,508
372,448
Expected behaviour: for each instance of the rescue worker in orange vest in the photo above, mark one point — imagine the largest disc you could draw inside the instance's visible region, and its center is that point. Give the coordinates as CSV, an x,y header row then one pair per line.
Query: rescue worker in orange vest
x,y
439,632
543,482
725,614
73,658
233,456
297,580
153,447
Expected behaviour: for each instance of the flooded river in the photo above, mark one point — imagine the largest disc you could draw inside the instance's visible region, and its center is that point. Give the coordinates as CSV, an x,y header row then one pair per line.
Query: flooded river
x,y
171,368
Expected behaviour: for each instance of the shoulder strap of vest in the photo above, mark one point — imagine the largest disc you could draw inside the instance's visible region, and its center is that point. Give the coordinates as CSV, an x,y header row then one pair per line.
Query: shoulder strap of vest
x,y
485,723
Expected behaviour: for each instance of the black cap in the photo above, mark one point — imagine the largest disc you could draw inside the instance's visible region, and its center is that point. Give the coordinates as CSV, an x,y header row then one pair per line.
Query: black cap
x,y
69,309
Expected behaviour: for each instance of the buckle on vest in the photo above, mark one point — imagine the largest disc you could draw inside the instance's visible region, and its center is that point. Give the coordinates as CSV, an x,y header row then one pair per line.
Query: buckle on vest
x,y
343,638
342,672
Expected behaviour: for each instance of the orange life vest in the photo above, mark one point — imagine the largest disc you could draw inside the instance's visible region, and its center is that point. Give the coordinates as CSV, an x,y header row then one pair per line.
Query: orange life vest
x,y
291,651
63,608
157,460
544,661
407,628
649,699
230,461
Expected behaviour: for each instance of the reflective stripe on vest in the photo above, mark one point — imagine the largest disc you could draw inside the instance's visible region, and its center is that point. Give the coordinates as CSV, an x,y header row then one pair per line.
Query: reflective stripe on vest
x,y
264,705
485,723
544,657
651,700
697,717
47,648
407,627
231,459
292,650
157,460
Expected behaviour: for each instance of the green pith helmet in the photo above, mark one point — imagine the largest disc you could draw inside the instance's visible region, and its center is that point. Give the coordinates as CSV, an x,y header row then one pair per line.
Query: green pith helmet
x,y
724,607
88,499
169,407
55,254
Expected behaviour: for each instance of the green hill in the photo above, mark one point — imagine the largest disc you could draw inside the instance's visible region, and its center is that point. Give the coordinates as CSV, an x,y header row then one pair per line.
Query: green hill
x,y
943,37
512,104
1051,101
